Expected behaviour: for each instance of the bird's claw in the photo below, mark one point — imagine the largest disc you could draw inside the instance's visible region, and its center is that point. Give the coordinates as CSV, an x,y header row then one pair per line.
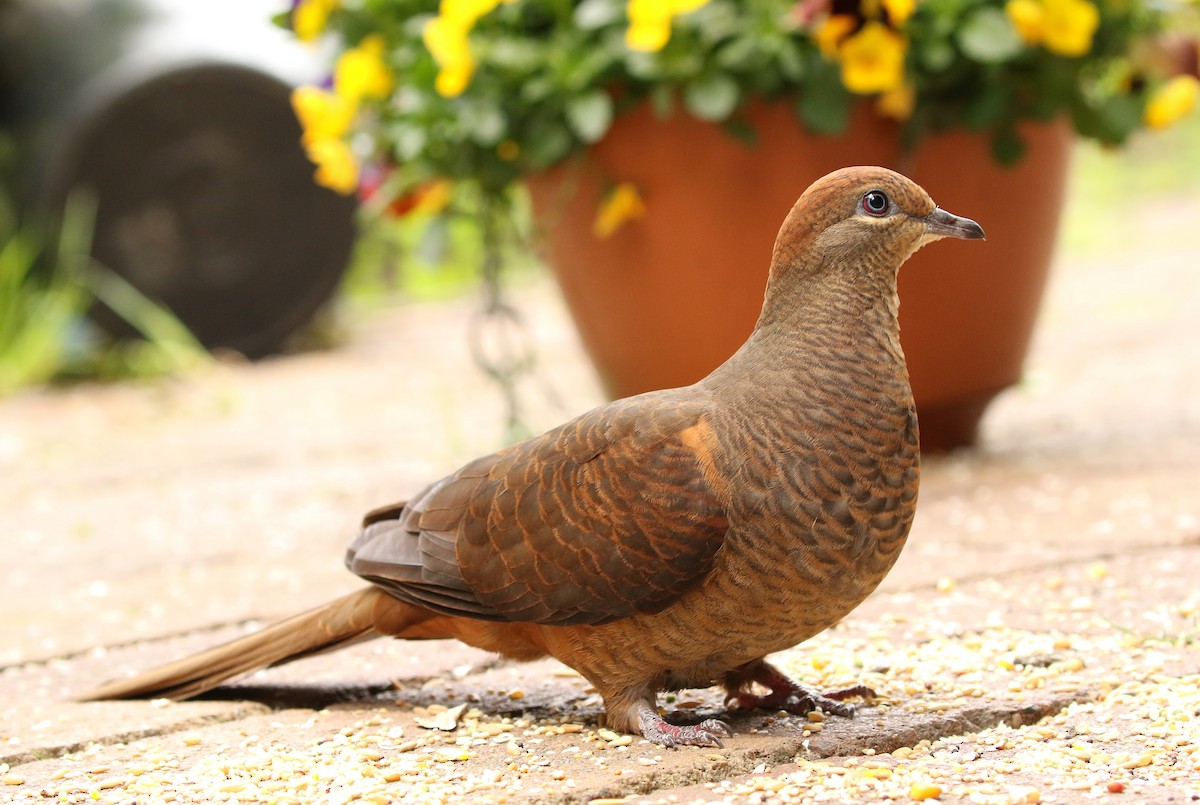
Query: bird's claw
x,y
799,700
707,733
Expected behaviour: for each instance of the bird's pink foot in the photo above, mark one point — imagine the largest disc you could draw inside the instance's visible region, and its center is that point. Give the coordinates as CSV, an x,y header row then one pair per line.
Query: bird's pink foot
x,y
788,695
706,733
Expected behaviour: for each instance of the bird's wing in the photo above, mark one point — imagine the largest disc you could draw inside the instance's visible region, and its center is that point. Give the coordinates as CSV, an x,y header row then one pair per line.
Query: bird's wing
x,y
617,512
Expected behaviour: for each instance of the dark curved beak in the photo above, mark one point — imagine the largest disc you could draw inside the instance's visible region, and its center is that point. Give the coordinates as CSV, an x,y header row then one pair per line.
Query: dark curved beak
x,y
943,224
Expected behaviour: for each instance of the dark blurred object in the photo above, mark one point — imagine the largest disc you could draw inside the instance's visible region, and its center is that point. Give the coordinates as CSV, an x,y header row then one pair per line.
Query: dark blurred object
x,y
176,115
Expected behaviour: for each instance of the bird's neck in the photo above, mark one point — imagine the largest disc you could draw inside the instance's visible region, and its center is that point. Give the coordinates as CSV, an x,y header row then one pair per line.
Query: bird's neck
x,y
823,327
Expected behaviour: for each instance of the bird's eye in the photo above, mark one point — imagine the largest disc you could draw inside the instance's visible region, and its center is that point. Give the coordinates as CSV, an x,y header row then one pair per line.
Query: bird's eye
x,y
876,203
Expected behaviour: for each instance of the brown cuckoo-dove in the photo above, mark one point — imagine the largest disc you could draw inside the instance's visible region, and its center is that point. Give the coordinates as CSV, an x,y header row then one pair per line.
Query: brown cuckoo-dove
x,y
677,538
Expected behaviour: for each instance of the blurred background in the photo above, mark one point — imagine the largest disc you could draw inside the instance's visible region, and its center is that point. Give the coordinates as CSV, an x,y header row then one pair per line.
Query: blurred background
x,y
157,138
157,207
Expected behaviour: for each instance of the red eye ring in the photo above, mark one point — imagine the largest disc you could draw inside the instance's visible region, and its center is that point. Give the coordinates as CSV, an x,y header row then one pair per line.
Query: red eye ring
x,y
876,203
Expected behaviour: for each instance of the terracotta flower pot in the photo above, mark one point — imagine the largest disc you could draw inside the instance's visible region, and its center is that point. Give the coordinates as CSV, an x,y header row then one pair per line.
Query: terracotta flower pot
x,y
671,295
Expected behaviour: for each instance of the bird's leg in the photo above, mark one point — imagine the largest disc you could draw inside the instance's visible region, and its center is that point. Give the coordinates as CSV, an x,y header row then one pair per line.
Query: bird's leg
x,y
785,693
634,711
655,728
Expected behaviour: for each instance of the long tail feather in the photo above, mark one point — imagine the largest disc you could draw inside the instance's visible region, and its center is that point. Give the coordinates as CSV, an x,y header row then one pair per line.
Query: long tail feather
x,y
347,620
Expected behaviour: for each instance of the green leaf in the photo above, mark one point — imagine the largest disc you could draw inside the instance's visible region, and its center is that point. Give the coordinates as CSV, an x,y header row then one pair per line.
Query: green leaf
x,y
408,140
662,100
935,54
824,104
739,53
486,122
590,115
712,97
552,144
987,36
791,63
990,106
741,130
593,14
434,242
1008,147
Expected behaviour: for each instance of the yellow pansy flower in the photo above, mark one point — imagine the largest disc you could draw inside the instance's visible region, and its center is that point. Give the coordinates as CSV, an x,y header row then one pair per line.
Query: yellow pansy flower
x,y
447,42
1172,101
465,13
360,72
623,204
650,21
899,11
1028,18
833,30
322,115
337,167
1068,26
446,37
309,17
873,59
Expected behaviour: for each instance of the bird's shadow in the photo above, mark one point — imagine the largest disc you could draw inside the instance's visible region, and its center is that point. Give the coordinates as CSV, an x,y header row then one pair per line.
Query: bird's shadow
x,y
293,696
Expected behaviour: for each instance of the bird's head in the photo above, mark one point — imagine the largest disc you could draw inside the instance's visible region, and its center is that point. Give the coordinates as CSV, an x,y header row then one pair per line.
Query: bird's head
x,y
862,218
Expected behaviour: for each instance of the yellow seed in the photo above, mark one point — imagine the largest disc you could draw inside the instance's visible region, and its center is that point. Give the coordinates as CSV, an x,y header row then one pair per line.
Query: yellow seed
x,y
924,791
945,585
13,779
191,740
516,694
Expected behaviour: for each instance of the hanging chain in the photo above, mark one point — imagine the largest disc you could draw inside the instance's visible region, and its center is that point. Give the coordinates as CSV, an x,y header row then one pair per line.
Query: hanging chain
x,y
499,337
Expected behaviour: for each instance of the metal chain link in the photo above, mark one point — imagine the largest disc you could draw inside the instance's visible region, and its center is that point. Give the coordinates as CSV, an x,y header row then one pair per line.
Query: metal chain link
x,y
499,338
